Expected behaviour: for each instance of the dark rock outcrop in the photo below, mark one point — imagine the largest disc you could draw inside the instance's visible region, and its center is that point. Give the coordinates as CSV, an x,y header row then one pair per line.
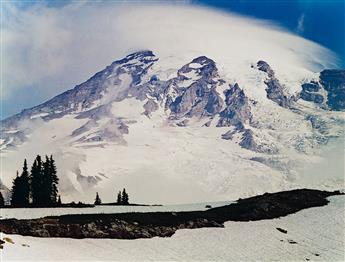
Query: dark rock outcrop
x,y
200,97
311,87
333,82
281,230
264,67
248,141
312,97
237,110
165,224
311,92
274,89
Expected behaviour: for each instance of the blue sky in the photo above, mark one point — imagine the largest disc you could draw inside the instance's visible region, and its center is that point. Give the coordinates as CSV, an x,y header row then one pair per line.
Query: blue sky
x,y
322,21
319,21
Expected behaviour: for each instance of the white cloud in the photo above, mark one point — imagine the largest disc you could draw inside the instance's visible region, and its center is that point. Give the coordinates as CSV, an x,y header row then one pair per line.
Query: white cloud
x,y
54,49
300,23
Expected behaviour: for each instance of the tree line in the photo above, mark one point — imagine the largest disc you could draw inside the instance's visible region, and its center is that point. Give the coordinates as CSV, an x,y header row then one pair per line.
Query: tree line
x,y
39,187
122,198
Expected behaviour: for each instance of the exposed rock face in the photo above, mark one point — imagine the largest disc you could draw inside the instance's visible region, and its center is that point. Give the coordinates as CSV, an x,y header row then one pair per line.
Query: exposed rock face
x,y
150,107
237,113
248,141
263,66
311,87
274,89
165,224
199,98
310,93
318,124
237,110
312,97
334,82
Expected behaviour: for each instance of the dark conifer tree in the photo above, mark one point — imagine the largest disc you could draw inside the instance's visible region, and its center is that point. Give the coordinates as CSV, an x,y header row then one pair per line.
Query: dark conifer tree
x,y
49,182
98,200
36,182
46,184
15,198
25,186
54,180
21,189
2,201
125,198
119,198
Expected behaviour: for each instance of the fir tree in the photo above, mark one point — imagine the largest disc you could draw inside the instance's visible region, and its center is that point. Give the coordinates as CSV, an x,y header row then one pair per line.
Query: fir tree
x,y
2,201
98,200
49,182
36,179
25,186
21,189
125,198
119,198
54,180
46,184
15,198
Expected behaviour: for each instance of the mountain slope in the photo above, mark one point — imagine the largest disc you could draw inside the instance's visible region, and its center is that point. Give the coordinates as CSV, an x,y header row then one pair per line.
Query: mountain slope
x,y
197,132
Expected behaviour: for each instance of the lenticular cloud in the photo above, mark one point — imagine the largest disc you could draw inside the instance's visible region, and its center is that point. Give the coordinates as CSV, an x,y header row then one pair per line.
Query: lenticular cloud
x,y
54,49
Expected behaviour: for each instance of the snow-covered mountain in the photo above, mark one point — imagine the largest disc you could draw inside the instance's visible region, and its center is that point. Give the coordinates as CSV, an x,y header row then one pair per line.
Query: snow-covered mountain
x,y
181,133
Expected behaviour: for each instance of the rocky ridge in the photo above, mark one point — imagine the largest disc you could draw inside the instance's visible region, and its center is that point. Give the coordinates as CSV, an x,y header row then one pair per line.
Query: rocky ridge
x,y
165,224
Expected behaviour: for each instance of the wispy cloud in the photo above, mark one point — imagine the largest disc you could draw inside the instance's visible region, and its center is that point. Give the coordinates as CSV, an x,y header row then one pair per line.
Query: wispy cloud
x,y
300,24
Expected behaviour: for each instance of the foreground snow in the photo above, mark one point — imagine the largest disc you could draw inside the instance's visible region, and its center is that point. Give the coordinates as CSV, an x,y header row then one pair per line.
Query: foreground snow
x,y
314,234
28,213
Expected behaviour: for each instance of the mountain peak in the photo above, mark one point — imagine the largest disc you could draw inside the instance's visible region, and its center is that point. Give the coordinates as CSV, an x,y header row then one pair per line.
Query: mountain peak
x,y
134,108
144,56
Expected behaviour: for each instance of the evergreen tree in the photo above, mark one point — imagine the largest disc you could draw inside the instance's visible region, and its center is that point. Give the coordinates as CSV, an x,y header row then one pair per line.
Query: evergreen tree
x,y
98,200
21,189
25,186
54,180
15,198
125,198
46,184
41,184
36,179
2,201
119,198
49,182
